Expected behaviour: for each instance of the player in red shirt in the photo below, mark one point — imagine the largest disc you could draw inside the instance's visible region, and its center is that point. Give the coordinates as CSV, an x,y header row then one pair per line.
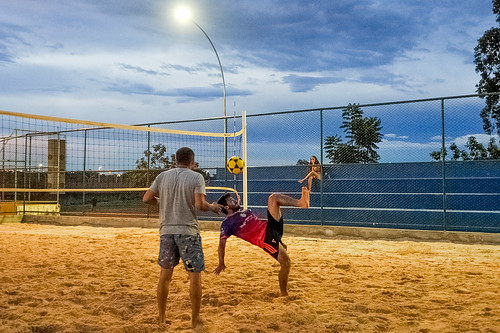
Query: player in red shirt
x,y
264,234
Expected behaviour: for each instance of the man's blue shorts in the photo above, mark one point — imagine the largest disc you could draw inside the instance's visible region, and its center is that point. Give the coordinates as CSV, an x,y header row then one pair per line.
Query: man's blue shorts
x,y
187,247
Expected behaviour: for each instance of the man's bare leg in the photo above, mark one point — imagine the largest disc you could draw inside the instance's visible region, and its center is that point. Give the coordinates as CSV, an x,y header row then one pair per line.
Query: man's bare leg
x,y
195,295
276,200
274,203
285,264
162,292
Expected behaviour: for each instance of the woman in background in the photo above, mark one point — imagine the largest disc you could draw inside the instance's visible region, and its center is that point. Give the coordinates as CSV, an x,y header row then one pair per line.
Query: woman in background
x,y
314,171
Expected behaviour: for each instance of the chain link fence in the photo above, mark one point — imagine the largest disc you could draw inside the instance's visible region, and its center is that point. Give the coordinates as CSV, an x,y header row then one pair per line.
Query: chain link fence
x,y
411,185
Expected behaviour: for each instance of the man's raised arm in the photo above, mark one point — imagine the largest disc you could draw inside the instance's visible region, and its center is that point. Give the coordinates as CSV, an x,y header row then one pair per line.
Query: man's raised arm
x,y
222,252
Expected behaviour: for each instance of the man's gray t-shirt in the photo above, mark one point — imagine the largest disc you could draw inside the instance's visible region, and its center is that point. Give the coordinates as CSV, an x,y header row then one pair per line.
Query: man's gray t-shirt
x,y
176,188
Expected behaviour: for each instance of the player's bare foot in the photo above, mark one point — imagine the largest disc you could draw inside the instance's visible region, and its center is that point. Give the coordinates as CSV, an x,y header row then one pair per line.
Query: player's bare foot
x,y
305,199
164,321
197,322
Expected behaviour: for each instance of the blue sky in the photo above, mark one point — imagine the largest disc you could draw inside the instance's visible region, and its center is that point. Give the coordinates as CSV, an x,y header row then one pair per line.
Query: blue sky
x,y
127,61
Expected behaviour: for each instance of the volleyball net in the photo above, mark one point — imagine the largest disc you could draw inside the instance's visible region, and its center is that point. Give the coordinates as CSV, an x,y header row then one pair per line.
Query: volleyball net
x,y
87,166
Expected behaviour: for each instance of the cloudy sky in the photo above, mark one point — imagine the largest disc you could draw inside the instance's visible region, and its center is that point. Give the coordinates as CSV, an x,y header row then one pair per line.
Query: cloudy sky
x,y
128,61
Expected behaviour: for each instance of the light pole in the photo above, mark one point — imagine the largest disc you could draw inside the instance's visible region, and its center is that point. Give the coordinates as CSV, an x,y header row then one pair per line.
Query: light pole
x,y
183,14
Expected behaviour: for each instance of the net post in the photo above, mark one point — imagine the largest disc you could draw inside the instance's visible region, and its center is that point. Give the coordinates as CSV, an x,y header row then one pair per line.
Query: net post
x,y
244,151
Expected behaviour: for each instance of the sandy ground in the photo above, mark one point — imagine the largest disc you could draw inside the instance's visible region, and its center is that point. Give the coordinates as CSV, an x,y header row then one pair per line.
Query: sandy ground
x,y
86,279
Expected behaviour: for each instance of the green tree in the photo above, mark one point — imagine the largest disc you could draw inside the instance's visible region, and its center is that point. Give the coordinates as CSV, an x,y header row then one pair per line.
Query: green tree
x,y
493,150
475,151
149,166
362,134
487,60
302,162
157,159
436,155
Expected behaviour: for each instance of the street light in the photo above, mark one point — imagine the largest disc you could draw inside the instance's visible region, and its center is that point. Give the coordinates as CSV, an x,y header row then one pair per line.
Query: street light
x,y
183,14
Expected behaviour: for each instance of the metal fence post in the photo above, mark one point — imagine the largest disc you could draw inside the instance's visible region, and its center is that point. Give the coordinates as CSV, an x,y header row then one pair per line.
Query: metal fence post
x,y
148,171
25,171
443,165
84,168
322,168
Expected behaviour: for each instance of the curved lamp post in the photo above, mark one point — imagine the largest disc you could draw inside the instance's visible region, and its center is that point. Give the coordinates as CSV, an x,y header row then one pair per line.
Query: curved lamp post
x,y
184,15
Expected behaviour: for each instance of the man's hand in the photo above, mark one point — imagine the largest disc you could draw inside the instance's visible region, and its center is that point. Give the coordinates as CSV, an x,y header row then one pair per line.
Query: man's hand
x,y
216,208
219,269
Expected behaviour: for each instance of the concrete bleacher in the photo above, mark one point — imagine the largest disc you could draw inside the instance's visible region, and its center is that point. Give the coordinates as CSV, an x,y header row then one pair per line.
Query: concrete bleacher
x,y
395,195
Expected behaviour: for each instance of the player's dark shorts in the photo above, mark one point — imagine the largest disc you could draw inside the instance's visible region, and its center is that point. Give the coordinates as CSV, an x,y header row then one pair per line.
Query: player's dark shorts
x,y
187,247
274,232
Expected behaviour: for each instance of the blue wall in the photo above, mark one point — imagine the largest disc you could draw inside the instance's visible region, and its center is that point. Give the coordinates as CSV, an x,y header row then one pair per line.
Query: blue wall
x,y
395,195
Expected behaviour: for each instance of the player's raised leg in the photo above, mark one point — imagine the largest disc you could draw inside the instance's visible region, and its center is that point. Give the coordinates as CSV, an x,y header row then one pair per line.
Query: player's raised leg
x,y
276,200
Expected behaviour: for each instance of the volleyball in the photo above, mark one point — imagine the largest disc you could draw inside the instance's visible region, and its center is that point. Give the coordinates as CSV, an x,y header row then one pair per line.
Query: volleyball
x,y
235,165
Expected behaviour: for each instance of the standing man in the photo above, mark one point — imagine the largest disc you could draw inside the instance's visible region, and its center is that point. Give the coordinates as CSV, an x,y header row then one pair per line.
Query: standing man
x,y
179,192
265,234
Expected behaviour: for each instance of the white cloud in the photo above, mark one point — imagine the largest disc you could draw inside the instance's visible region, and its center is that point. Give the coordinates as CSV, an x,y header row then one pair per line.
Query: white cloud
x,y
481,138
405,145
395,136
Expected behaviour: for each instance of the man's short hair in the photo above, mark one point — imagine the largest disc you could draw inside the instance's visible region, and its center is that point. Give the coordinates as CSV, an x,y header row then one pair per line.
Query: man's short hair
x,y
223,202
184,156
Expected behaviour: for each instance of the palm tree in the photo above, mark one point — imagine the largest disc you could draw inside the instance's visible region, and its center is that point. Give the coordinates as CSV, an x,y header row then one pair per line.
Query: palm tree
x,y
363,135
